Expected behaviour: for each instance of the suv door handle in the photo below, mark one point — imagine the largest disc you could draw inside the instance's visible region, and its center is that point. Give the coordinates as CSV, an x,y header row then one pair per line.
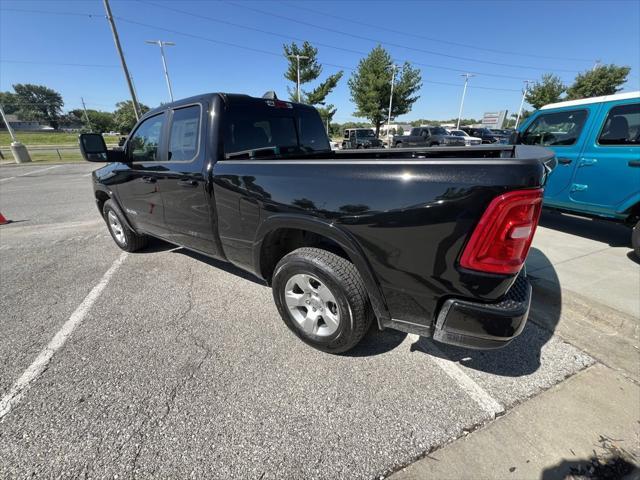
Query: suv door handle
x,y
587,162
634,163
564,160
149,179
188,183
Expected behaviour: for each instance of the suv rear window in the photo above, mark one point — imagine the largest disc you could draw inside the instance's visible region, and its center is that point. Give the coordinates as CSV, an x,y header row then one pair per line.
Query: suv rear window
x,y
557,128
267,133
622,126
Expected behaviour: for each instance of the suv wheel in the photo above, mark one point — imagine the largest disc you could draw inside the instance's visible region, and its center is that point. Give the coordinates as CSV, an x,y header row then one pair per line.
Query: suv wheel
x,y
399,145
125,238
322,299
635,239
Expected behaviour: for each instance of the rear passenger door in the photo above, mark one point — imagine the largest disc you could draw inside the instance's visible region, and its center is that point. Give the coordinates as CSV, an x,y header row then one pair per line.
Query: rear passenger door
x,y
608,170
186,205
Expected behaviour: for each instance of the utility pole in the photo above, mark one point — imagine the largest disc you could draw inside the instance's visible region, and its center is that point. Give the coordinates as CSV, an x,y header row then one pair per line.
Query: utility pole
x,y
162,44
464,92
596,65
393,79
86,117
298,57
524,95
116,39
19,151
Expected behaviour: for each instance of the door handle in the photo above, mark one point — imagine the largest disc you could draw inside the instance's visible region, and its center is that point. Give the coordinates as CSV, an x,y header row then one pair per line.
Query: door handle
x,y
564,160
587,162
634,163
188,183
149,179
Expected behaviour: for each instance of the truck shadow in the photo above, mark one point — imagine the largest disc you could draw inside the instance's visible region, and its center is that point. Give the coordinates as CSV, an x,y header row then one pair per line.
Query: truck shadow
x,y
611,233
523,355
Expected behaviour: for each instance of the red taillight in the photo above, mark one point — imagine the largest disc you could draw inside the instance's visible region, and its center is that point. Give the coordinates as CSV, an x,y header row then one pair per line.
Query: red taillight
x,y
502,238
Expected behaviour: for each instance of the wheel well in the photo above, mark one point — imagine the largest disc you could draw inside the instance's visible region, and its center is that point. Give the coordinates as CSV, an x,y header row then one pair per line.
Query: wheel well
x,y
634,214
285,240
101,197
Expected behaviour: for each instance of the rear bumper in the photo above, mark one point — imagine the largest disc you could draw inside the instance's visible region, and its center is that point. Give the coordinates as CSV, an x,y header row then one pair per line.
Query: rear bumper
x,y
485,326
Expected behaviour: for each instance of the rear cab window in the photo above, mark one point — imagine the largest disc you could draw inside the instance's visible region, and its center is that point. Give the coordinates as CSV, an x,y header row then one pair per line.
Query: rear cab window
x,y
274,129
560,128
621,126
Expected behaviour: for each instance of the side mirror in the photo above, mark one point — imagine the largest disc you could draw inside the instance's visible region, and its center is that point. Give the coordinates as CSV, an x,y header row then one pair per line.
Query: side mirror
x,y
515,138
93,148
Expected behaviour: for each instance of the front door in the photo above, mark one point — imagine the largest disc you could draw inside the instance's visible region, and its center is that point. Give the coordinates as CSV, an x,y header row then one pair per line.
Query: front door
x,y
137,187
184,196
563,131
608,171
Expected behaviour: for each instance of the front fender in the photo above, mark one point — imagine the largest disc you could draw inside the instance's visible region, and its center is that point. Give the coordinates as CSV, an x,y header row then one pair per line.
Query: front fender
x,y
336,234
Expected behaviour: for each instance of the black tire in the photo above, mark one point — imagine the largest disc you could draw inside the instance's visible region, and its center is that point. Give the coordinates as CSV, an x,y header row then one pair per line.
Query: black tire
x,y
399,145
635,239
131,241
344,282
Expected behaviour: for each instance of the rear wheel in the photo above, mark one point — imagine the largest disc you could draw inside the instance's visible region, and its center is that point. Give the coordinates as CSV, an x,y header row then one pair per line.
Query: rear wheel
x,y
635,239
399,145
322,299
125,238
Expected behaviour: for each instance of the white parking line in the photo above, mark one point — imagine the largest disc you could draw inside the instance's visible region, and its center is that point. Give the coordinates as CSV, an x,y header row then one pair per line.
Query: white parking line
x,y
30,173
471,388
42,360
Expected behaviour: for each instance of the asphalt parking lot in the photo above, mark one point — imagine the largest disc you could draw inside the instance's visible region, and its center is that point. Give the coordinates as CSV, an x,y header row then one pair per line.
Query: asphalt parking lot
x,y
180,365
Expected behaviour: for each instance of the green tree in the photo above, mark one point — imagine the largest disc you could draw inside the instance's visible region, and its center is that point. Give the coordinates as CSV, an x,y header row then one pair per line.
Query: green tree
x,y
100,122
547,90
603,80
124,117
37,102
370,87
310,70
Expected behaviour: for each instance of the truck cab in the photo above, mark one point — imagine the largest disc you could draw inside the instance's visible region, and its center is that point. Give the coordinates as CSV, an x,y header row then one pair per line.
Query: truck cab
x,y
597,143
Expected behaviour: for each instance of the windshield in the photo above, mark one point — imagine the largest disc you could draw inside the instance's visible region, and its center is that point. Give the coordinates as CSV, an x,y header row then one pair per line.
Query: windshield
x,y
364,133
458,133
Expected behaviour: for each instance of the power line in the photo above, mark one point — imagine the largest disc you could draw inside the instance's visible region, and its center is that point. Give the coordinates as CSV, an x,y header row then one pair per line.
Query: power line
x,y
61,64
397,45
267,52
424,37
49,12
358,52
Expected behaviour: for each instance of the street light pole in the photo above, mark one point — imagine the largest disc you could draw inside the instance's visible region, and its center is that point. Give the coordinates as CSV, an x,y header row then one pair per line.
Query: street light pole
x,y
162,44
298,57
116,39
464,92
86,116
524,95
393,79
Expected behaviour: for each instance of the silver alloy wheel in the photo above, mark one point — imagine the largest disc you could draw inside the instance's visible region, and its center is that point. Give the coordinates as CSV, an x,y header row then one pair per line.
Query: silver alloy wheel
x,y
116,227
312,305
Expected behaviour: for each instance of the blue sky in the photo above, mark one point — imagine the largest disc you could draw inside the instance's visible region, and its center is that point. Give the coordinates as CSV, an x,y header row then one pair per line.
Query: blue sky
x,y
503,42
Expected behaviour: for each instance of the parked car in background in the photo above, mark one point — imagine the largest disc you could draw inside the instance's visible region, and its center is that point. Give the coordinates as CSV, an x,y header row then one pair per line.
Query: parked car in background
x,y
597,142
360,138
502,131
468,140
486,135
425,241
429,136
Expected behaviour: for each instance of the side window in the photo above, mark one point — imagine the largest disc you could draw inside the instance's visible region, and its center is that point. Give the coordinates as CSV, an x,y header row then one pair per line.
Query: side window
x,y
313,136
184,136
558,128
145,141
622,126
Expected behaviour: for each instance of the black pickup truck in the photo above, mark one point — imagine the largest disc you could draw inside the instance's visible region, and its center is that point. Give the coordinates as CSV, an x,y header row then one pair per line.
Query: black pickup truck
x,y
427,137
430,241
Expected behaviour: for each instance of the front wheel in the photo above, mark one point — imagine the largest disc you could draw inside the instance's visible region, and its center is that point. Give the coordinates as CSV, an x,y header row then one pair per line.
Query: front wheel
x,y
635,239
125,238
322,299
399,145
